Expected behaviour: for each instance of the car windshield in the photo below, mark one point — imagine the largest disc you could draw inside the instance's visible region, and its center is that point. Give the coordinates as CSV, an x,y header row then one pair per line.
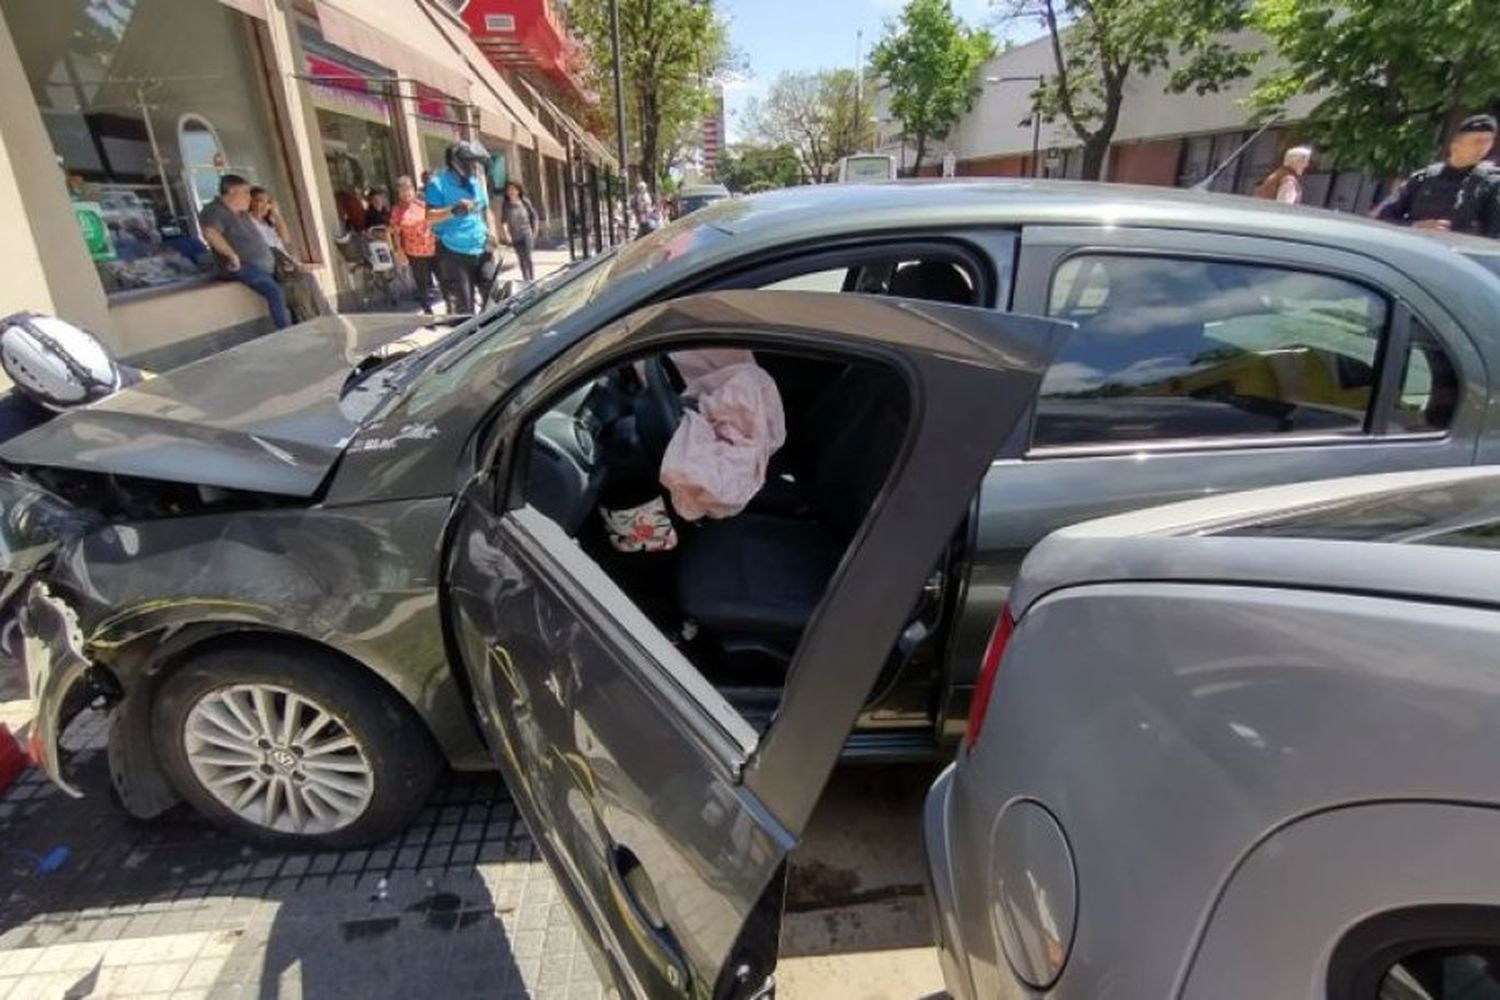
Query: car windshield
x,y
542,306
1489,261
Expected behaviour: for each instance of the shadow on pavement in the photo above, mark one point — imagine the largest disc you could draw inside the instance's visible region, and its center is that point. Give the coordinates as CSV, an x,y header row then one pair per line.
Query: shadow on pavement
x,y
93,903
856,882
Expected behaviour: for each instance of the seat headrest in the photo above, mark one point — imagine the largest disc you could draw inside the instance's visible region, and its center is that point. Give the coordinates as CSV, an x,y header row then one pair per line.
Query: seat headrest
x,y
933,280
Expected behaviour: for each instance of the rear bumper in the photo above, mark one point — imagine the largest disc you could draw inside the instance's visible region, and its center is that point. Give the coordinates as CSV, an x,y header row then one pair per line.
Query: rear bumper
x,y
52,651
940,888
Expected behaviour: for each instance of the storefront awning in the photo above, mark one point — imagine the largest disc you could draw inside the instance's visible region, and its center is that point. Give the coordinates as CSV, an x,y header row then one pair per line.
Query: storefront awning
x,y
501,111
596,149
396,35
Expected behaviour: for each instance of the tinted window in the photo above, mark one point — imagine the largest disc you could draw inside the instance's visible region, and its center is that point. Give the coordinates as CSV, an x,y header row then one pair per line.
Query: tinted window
x,y
1429,386
1464,513
1452,973
1173,348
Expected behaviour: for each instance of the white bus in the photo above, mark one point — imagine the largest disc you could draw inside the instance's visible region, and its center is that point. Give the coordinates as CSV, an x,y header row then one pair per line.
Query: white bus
x,y
867,167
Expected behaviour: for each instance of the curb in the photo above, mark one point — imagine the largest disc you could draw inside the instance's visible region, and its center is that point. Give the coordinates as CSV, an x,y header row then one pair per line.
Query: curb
x,y
13,760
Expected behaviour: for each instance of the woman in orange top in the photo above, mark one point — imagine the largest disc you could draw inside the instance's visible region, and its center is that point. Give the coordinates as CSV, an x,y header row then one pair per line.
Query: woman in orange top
x,y
415,243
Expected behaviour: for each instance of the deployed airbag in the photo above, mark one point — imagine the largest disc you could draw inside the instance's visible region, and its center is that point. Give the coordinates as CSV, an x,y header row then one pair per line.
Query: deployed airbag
x,y
717,458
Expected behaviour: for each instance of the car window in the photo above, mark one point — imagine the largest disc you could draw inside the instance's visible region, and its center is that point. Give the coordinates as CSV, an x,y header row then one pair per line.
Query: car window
x,y
1174,348
831,280
1451,973
1464,514
1429,385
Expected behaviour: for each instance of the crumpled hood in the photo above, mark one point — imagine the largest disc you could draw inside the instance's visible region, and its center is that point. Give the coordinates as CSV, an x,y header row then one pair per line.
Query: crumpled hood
x,y
264,416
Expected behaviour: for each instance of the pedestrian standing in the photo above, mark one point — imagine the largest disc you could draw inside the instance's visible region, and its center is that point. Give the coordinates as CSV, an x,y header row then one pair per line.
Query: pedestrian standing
x,y
518,220
457,205
416,246
1284,184
1462,193
643,207
239,246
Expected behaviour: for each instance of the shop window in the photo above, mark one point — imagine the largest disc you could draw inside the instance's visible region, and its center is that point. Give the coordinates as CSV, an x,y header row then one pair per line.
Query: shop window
x,y
142,125
203,159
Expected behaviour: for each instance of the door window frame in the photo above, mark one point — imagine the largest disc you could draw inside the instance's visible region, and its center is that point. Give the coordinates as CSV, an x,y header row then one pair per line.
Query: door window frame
x,y
1044,250
1372,947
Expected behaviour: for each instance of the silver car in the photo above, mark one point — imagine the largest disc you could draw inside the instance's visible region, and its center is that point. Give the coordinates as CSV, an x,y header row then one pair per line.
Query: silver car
x,y
1238,747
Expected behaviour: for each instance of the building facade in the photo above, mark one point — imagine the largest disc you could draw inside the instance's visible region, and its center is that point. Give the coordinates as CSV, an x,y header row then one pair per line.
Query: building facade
x,y
1174,140
528,43
117,118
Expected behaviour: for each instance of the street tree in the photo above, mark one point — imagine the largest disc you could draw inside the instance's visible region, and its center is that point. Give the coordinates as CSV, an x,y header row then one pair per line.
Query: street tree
x,y
818,114
929,60
1393,78
670,51
1099,45
750,167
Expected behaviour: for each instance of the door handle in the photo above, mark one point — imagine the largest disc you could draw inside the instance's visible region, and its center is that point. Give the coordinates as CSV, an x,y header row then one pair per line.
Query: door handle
x,y
637,900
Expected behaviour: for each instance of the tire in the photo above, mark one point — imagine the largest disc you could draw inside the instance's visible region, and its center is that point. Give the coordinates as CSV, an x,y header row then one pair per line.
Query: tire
x,y
347,763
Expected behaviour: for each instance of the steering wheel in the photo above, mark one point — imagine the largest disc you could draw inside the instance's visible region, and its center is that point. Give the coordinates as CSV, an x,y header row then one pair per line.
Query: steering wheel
x,y
658,407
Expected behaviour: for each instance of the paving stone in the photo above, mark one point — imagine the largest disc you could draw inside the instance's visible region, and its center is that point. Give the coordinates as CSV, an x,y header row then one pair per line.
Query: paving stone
x,y
172,908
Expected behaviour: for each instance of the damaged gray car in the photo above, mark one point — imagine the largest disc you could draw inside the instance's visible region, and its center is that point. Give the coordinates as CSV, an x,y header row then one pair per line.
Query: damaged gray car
x,y
306,573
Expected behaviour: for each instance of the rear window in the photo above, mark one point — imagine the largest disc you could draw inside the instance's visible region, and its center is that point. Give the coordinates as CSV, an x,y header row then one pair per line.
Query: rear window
x,y
1489,261
1464,514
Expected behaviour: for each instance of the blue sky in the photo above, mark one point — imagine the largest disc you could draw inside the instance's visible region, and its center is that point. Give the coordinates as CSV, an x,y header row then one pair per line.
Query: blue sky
x,y
778,35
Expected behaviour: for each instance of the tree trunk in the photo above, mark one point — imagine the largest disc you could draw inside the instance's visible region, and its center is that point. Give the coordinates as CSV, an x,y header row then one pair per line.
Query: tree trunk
x,y
916,167
1094,152
1096,146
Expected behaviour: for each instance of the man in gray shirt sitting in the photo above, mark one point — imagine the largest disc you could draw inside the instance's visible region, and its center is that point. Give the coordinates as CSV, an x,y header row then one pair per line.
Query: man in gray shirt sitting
x,y
239,246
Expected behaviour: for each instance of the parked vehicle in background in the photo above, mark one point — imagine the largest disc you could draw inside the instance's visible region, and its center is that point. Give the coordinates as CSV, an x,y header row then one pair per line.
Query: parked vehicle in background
x,y
1238,748
863,167
298,501
690,199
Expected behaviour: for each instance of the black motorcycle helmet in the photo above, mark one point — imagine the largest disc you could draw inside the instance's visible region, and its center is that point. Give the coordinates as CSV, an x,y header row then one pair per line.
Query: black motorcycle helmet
x,y
464,155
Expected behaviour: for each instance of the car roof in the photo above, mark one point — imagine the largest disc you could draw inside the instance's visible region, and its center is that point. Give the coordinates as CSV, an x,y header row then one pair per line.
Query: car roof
x,y
1077,203
1230,539
818,211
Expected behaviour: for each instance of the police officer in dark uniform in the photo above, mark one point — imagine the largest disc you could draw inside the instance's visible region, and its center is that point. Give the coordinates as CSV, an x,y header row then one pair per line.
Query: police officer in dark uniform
x,y
1461,194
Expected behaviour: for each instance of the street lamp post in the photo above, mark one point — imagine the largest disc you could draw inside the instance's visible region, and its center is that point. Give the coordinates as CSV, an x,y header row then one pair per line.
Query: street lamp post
x,y
614,31
1035,119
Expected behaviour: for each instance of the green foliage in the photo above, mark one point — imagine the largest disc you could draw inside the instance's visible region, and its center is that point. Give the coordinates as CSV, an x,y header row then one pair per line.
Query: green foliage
x,y
930,61
1393,75
1098,45
821,115
669,53
750,167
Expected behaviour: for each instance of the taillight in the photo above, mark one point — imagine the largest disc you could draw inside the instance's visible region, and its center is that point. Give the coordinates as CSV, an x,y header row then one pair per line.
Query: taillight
x,y
993,653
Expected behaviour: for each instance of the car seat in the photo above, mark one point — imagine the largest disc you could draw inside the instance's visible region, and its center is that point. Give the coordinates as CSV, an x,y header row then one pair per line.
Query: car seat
x,y
755,579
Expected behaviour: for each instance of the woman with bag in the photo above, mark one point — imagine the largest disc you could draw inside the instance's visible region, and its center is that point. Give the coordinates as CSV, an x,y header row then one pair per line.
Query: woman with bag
x,y
416,246
519,220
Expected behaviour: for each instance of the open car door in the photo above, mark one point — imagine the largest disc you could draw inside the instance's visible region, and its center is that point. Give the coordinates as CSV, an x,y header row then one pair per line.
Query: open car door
x,y
665,817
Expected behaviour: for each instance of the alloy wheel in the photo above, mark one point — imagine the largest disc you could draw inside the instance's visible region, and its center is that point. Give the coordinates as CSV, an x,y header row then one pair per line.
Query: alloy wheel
x,y
278,759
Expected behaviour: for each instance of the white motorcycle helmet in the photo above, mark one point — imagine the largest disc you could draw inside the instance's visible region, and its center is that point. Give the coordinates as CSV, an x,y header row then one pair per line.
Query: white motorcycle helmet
x,y
54,362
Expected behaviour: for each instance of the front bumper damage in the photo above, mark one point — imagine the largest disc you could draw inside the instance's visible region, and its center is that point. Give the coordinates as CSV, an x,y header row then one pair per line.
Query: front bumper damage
x,y
53,654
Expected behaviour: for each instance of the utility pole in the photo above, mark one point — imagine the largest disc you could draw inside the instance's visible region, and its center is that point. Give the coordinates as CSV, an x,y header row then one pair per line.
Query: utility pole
x,y
614,31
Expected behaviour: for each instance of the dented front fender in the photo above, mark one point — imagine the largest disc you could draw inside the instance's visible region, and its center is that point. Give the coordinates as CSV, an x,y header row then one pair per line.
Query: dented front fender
x,y
55,662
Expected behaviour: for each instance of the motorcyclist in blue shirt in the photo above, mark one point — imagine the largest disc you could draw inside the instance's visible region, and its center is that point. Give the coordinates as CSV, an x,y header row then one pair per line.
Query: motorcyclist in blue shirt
x,y
458,202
